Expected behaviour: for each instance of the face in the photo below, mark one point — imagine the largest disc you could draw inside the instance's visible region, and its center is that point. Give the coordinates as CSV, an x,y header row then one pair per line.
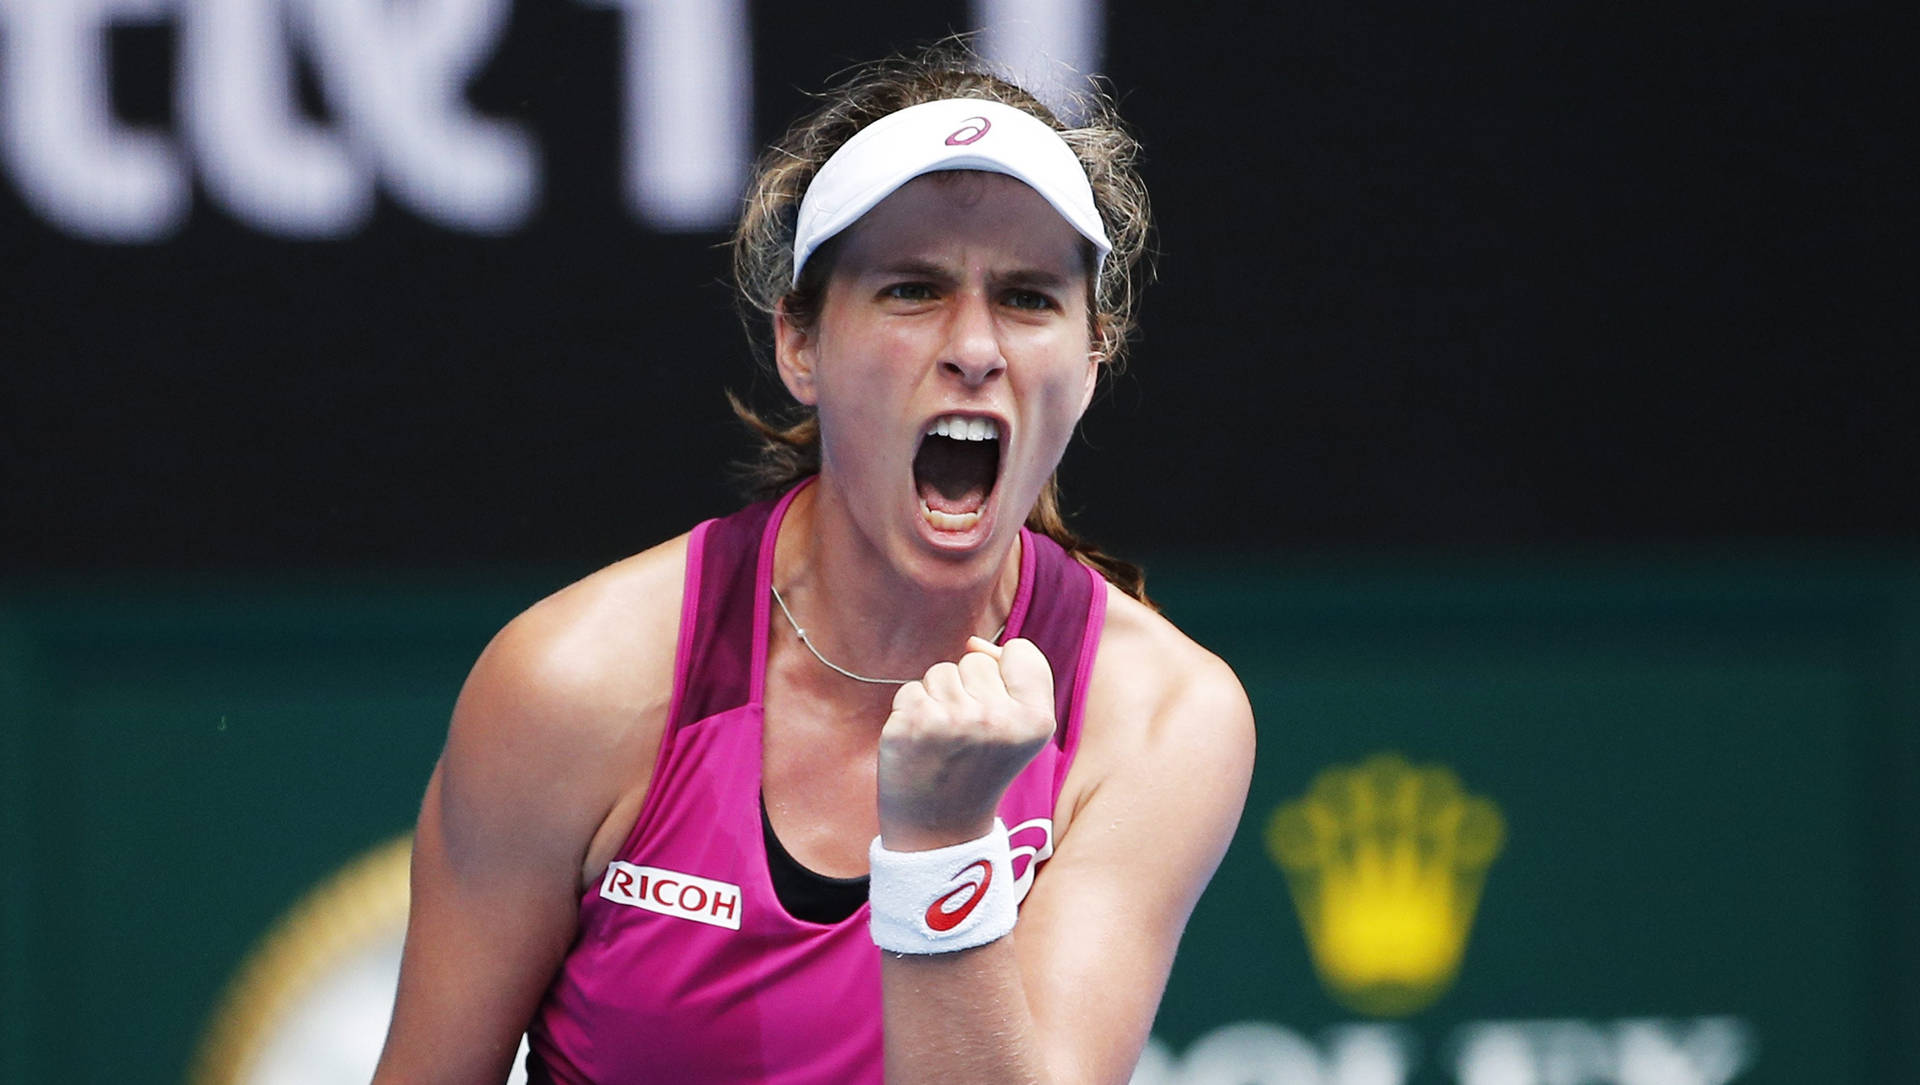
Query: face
x,y
949,364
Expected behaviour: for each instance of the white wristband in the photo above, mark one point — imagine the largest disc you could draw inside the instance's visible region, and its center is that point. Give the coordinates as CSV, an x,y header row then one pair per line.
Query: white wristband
x,y
947,899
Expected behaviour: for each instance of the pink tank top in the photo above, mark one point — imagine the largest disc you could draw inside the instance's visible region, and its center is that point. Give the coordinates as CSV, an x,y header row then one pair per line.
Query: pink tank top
x,y
686,968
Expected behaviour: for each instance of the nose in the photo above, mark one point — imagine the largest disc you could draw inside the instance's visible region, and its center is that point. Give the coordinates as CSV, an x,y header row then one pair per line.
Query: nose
x,y
972,350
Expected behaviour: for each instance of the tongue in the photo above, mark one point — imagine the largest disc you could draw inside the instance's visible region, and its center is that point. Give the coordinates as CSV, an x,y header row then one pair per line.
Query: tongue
x,y
955,476
969,501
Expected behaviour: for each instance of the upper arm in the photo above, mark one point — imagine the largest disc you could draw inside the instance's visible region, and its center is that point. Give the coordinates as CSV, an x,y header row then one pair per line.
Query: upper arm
x,y
545,739
1107,911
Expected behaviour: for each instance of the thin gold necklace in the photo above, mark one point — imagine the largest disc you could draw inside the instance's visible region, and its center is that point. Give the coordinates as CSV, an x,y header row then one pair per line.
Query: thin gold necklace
x,y
837,668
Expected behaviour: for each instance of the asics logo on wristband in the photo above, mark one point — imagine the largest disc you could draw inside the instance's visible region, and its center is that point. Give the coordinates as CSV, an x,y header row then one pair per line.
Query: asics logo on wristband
x,y
940,918
1032,842
967,911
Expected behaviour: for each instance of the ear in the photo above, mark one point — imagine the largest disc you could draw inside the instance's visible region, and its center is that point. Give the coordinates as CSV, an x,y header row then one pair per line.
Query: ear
x,y
1095,359
794,353
1099,353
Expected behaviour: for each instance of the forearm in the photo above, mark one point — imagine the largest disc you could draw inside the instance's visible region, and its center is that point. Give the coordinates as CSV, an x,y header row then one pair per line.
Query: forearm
x,y
944,899
959,1018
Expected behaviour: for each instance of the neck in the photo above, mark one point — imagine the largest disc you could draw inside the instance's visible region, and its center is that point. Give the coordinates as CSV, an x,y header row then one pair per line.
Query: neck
x,y
869,616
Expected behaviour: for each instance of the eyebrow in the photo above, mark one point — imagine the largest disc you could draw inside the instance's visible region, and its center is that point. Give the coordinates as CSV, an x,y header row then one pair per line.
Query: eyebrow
x,y
1035,279
918,269
1029,278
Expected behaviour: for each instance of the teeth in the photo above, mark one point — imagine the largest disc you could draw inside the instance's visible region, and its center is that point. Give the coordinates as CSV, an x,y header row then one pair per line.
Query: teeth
x,y
949,521
957,428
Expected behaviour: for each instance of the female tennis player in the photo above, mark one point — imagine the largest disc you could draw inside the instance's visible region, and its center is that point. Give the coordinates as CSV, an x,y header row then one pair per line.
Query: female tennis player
x,y
888,776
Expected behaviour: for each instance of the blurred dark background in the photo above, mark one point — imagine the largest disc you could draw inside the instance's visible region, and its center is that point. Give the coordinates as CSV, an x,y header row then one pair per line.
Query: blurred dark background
x,y
1503,276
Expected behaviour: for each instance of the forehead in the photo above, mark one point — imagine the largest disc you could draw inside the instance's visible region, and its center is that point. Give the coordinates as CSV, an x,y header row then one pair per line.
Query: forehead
x,y
967,215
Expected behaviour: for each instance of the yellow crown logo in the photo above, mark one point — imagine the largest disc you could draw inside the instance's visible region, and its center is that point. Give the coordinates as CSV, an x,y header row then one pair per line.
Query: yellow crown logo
x,y
1386,861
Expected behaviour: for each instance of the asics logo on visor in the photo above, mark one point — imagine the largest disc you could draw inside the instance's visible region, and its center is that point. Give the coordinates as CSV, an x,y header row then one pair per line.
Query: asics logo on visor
x,y
940,919
971,131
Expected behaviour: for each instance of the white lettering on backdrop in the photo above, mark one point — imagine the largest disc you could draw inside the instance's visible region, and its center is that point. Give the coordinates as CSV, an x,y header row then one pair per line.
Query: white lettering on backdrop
x,y
393,74
1631,1051
74,164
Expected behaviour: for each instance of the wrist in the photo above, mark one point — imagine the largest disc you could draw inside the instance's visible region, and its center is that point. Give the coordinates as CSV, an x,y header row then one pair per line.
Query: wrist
x,y
904,837
943,899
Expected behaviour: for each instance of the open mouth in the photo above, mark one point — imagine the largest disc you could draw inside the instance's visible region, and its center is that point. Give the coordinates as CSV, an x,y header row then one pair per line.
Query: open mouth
x,y
955,469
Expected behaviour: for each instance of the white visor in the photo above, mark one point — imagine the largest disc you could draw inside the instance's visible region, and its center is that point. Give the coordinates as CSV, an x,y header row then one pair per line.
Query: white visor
x,y
952,134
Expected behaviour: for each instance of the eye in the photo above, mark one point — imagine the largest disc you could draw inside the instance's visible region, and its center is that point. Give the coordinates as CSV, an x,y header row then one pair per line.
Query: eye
x,y
1029,299
910,291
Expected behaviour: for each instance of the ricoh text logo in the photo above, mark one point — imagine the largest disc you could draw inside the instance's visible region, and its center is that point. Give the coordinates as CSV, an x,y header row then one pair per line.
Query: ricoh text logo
x,y
1385,862
669,892
393,76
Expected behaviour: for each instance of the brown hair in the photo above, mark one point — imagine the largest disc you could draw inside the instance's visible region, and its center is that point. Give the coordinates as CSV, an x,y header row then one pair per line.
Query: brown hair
x,y
763,247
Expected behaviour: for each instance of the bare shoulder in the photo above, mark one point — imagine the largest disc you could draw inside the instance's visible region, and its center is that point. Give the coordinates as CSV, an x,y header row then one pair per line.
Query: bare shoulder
x,y
1155,691
583,661
1167,732
559,720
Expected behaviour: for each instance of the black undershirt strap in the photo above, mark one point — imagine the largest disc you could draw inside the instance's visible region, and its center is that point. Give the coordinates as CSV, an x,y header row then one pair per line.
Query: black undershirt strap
x,y
814,898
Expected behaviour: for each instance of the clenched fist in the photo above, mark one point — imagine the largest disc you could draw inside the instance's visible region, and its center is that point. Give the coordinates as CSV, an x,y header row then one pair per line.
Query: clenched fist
x,y
956,738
